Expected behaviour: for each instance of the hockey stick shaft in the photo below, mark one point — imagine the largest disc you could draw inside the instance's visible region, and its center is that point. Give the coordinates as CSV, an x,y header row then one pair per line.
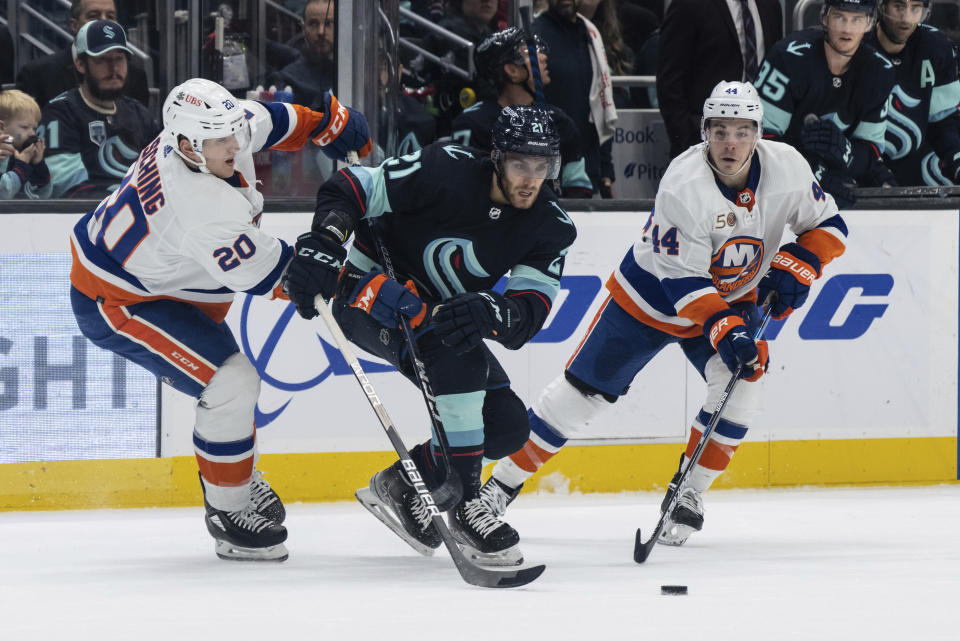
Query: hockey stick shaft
x,y
641,549
471,573
532,53
420,370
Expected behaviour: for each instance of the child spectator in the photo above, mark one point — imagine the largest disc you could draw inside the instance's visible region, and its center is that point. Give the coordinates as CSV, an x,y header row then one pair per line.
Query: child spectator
x,y
21,165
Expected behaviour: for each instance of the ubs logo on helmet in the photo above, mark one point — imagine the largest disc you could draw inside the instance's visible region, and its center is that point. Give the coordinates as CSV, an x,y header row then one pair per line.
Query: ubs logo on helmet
x,y
736,263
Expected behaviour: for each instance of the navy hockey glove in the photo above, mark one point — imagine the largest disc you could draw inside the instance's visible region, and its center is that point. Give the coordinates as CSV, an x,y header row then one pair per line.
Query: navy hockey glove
x,y
836,186
880,175
314,269
824,140
730,336
383,298
341,130
792,271
463,321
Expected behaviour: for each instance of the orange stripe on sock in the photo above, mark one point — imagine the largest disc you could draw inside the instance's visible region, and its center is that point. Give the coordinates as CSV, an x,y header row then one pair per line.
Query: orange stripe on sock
x,y
716,456
226,474
531,457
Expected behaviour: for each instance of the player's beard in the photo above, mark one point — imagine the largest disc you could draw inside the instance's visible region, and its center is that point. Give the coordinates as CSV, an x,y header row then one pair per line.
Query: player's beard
x,y
100,93
892,35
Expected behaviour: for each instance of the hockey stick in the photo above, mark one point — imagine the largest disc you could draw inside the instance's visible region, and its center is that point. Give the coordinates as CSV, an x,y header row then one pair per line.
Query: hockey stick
x,y
471,573
641,549
532,53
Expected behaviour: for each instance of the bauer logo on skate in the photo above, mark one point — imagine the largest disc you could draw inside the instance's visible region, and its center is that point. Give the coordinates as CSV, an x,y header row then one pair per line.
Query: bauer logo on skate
x,y
736,263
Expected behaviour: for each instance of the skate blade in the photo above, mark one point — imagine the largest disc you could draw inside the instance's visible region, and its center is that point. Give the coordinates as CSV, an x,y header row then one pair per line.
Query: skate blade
x,y
230,552
370,501
675,534
509,557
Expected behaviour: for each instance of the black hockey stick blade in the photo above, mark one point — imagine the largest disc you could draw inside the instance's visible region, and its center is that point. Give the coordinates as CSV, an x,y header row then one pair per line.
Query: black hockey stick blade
x,y
485,577
642,550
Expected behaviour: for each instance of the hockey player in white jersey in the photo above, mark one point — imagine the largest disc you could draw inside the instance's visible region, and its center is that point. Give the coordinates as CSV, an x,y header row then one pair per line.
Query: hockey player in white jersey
x,y
692,278
157,263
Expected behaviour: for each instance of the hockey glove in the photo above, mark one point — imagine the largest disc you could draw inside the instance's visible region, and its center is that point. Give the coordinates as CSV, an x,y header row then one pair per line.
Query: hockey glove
x,y
729,335
824,140
463,321
383,298
314,269
341,130
792,271
841,191
879,175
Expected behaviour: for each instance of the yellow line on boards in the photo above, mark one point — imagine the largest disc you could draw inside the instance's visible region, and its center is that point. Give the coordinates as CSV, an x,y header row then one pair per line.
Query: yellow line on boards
x,y
334,476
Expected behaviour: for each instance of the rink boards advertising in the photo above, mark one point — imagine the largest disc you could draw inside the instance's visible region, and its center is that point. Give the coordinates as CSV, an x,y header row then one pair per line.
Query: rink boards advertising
x,y
862,385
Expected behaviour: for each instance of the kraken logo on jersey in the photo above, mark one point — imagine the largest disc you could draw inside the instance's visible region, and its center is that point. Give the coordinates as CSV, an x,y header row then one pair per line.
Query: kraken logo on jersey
x,y
903,135
444,257
116,156
736,263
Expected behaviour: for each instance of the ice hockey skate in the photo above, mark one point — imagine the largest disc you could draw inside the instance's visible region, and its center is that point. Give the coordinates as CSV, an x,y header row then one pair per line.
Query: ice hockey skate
x,y
686,518
395,502
245,535
498,496
265,500
484,537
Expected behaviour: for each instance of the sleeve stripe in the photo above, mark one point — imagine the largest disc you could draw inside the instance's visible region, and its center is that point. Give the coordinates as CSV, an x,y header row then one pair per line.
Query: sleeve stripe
x,y
266,285
823,243
703,307
356,192
280,119
305,122
538,295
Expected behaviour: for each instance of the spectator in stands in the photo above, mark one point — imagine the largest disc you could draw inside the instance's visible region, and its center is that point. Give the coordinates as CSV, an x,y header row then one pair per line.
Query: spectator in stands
x,y
312,73
923,124
702,43
581,85
503,70
21,152
825,92
47,77
93,132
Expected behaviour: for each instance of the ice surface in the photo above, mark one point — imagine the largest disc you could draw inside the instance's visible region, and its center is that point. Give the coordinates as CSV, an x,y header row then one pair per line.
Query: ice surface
x,y
813,564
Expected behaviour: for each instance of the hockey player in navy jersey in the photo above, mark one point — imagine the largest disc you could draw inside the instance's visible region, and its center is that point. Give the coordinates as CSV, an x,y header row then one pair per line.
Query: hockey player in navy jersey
x,y
156,266
692,278
923,121
454,221
503,63
825,93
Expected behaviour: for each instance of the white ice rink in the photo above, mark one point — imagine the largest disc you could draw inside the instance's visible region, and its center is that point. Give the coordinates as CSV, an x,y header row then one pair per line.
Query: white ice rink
x,y
813,564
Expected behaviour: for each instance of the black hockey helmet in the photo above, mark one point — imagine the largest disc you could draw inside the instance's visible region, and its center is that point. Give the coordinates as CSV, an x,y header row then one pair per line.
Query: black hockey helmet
x,y
500,48
527,130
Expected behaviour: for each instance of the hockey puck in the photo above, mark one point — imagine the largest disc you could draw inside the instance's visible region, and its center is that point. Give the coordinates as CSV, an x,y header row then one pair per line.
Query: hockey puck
x,y
673,589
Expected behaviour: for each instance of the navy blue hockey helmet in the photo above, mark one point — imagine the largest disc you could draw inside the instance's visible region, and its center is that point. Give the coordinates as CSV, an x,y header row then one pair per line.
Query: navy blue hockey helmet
x,y
502,47
527,130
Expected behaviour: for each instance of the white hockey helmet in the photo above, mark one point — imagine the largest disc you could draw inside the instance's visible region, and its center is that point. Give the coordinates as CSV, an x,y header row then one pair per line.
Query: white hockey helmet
x,y
732,100
200,109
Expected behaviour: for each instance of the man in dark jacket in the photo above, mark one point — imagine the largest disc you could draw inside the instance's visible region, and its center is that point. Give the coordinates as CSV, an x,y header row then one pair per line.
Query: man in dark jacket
x,y
702,43
47,77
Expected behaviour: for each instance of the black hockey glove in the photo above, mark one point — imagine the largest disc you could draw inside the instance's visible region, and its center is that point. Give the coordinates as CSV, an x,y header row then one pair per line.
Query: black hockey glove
x,y
823,140
463,321
841,190
314,269
879,175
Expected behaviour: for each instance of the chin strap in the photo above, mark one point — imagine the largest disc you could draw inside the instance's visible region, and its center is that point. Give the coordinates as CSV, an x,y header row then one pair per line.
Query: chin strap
x,y
706,153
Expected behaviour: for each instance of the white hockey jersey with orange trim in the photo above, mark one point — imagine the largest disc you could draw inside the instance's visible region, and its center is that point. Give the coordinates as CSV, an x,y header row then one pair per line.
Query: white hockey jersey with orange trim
x,y
172,232
705,246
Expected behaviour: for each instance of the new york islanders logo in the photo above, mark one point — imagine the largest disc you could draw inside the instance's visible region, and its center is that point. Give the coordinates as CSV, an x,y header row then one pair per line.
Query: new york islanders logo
x,y
736,263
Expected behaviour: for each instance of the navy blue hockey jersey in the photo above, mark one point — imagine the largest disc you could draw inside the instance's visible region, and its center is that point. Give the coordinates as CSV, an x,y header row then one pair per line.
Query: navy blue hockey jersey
x,y
796,85
88,151
923,121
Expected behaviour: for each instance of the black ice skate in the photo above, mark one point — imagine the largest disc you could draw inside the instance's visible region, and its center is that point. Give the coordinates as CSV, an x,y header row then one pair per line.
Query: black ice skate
x,y
265,500
245,535
686,518
484,537
498,496
392,499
